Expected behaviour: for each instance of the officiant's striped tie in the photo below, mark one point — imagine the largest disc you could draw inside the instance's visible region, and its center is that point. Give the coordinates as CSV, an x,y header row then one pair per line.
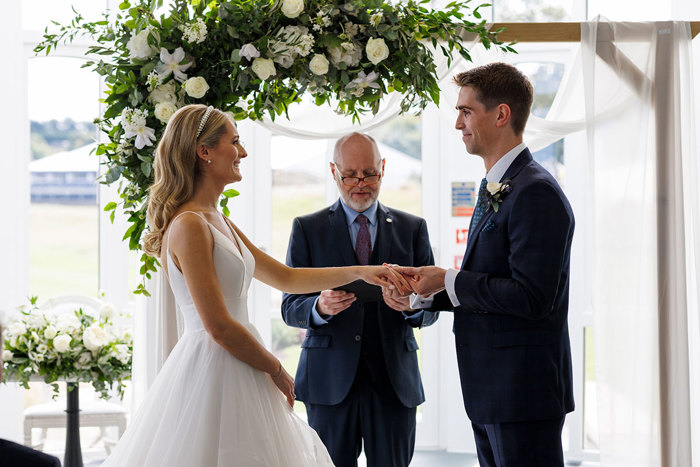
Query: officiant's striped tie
x,y
363,244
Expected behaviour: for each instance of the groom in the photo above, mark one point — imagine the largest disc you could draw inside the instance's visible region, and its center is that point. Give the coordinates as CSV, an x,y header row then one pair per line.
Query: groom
x,y
511,295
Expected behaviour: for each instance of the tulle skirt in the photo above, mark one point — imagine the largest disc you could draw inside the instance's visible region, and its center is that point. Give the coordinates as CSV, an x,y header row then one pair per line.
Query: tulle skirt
x,y
207,408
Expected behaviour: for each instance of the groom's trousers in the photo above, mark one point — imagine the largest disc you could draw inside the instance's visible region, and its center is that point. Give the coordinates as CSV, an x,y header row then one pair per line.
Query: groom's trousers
x,y
372,414
520,444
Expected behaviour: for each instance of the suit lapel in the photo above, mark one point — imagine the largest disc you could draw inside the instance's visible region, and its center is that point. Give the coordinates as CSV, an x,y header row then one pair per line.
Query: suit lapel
x,y
385,229
516,166
339,226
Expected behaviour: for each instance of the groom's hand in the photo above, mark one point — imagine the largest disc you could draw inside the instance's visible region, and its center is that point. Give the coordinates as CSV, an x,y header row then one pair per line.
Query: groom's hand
x,y
425,280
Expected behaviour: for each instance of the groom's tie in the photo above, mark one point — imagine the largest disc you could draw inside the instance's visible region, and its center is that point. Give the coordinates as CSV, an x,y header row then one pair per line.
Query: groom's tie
x,y
480,207
363,244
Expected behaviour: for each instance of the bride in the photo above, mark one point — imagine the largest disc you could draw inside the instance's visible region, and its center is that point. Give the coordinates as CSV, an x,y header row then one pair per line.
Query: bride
x,y
221,398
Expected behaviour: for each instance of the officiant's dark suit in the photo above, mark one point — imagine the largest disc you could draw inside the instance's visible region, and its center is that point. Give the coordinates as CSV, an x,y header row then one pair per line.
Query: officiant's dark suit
x,y
511,295
358,371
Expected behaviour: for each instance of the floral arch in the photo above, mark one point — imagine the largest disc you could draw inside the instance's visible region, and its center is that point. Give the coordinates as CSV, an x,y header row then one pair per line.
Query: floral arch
x,y
251,58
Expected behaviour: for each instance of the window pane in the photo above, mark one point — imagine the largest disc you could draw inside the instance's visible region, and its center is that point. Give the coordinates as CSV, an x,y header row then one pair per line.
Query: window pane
x,y
533,10
399,143
545,78
63,212
299,169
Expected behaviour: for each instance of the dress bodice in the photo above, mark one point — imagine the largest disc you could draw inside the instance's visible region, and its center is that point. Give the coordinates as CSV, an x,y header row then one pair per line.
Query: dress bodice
x,y
234,270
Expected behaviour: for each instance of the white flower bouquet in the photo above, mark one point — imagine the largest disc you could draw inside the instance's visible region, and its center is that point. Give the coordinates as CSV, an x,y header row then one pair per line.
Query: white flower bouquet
x,y
67,347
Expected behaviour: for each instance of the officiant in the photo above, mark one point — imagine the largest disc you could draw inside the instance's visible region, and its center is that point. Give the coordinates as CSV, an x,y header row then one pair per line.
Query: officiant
x,y
358,371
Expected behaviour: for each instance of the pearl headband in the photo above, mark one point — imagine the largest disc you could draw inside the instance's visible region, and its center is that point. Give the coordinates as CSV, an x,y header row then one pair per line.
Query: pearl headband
x,y
203,122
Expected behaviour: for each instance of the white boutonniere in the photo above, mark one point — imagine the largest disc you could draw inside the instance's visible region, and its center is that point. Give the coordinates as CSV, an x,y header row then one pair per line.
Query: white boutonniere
x,y
496,192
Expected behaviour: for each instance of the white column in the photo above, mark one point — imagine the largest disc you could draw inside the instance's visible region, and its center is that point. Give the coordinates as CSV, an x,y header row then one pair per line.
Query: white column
x,y
14,193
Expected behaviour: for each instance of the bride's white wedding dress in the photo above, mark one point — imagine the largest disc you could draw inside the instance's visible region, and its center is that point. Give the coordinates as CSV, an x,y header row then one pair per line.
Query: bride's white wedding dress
x,y
207,408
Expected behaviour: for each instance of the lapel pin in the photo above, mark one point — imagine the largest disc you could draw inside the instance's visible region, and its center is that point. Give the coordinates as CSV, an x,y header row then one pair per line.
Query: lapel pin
x,y
388,219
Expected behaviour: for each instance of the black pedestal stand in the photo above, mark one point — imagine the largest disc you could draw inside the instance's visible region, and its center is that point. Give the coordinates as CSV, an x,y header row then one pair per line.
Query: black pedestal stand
x,y
73,456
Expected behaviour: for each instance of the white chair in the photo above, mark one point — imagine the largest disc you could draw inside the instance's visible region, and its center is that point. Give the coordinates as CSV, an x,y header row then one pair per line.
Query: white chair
x,y
95,413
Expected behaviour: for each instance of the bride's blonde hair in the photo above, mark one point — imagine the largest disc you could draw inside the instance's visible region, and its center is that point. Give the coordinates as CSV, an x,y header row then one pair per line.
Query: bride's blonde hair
x,y
176,167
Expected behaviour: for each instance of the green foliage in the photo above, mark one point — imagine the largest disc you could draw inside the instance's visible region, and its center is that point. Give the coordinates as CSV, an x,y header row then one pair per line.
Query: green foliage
x,y
129,46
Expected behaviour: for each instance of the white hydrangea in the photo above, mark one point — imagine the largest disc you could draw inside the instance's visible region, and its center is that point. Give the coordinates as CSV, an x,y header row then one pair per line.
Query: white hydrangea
x,y
107,311
321,21
67,322
351,30
16,329
122,353
194,32
348,53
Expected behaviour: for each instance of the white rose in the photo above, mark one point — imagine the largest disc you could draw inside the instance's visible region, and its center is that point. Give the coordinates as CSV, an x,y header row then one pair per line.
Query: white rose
x,y
50,332
493,187
376,50
263,68
164,111
138,45
95,337
319,64
7,355
196,87
292,8
61,343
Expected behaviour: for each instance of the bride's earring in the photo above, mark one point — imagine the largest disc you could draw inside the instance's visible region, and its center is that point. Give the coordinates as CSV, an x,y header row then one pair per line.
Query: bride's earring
x,y
208,161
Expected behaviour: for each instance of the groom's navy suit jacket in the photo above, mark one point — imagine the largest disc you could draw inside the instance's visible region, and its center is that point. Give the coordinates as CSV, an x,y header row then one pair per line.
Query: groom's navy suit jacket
x,y
331,353
511,328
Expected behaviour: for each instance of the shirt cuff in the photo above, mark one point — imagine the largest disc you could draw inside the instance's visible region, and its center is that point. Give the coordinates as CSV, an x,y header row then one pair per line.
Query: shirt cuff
x,y
417,302
316,317
450,277
416,315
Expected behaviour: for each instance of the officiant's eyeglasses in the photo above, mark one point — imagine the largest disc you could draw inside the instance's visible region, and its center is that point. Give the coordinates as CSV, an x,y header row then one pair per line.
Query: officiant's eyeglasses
x,y
354,181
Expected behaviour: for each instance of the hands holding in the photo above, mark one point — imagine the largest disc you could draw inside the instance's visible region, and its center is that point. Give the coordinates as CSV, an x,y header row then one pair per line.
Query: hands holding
x,y
424,281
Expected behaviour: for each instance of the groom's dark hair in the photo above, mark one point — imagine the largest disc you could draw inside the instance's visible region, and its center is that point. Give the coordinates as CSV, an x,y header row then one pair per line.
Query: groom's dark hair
x,y
500,83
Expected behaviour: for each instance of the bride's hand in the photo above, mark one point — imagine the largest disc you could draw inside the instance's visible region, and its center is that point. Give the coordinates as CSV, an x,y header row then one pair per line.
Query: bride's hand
x,y
385,277
285,383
